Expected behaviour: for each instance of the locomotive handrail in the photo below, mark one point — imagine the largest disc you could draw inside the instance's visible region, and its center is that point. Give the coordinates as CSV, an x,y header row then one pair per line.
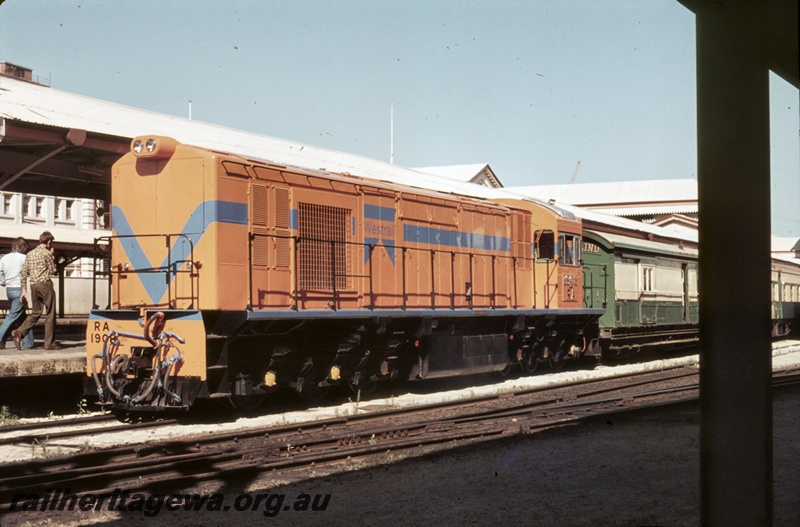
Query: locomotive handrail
x,y
95,274
335,274
171,268
433,278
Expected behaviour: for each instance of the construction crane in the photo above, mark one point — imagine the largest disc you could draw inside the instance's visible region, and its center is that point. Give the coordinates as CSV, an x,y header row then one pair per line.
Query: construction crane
x,y
575,173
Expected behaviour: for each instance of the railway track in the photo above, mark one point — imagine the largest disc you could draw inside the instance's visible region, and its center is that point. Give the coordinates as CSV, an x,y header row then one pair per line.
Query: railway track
x,y
45,430
184,463
50,432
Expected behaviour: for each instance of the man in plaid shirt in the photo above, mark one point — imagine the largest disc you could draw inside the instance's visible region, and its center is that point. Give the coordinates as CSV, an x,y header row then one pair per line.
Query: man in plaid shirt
x,y
40,267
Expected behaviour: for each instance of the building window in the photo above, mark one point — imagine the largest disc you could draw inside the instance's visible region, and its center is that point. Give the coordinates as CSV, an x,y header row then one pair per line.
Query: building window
x,y
34,207
8,205
65,209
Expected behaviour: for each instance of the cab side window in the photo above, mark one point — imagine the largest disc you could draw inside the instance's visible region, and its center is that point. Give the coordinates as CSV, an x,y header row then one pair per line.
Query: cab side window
x,y
545,245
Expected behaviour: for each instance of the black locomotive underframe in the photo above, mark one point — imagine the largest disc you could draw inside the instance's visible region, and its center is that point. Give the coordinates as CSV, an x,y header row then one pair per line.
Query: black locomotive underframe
x,y
264,353
249,355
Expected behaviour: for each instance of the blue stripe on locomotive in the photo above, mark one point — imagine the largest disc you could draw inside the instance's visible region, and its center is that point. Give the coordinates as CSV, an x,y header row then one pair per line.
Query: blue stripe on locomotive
x,y
203,215
432,235
448,238
375,212
381,214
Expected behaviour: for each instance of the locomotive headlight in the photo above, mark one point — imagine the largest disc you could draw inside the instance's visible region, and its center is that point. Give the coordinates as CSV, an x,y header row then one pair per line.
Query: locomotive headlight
x,y
153,146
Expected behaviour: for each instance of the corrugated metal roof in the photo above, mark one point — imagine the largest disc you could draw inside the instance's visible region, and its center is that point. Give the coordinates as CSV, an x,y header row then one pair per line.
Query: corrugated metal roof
x,y
787,259
646,192
458,172
647,210
47,106
626,242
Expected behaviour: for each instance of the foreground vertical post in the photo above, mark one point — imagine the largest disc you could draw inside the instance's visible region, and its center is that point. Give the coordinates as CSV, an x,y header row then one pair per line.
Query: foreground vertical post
x,y
733,189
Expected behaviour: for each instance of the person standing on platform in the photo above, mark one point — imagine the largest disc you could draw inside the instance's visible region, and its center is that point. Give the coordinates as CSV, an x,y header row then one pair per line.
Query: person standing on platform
x,y
40,267
11,279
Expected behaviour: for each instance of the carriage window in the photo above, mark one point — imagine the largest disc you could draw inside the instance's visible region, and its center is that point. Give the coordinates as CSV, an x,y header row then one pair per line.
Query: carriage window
x,y
545,245
569,249
647,279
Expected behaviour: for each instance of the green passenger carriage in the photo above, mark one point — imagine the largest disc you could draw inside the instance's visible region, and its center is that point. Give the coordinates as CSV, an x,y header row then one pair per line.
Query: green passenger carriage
x,y
647,288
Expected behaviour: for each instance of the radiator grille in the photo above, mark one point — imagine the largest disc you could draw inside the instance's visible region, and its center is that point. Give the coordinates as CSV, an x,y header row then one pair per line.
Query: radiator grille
x,y
324,253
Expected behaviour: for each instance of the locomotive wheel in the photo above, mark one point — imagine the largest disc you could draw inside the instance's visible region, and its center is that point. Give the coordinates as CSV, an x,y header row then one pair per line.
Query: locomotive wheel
x,y
247,402
558,356
363,384
505,372
311,391
530,361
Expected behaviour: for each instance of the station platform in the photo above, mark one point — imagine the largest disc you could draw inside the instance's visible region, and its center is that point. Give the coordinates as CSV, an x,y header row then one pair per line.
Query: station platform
x,y
40,362
35,362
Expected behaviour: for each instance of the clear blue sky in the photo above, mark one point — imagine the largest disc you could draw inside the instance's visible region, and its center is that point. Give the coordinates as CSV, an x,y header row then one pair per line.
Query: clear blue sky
x,y
528,86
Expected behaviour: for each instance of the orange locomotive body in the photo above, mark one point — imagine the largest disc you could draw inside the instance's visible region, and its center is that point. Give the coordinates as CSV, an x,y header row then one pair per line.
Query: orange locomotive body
x,y
231,278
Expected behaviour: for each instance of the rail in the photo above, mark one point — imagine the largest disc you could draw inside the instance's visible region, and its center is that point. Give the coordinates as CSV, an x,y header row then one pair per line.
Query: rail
x,y
184,462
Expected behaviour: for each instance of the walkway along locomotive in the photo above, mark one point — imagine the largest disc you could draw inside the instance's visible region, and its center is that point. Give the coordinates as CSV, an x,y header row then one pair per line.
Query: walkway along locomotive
x,y
232,278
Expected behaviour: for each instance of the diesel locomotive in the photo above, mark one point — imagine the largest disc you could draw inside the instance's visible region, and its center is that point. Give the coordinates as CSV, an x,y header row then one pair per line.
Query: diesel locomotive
x,y
230,278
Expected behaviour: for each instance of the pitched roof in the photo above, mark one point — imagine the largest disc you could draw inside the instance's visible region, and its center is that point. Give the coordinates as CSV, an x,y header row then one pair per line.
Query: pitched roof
x,y
474,173
623,198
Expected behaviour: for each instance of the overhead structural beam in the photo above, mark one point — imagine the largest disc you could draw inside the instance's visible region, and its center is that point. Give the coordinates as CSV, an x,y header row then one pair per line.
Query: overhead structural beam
x,y
734,244
18,131
41,159
74,137
784,52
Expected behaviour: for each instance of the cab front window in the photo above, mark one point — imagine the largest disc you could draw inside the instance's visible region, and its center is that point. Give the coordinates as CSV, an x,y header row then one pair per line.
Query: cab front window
x,y
569,249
